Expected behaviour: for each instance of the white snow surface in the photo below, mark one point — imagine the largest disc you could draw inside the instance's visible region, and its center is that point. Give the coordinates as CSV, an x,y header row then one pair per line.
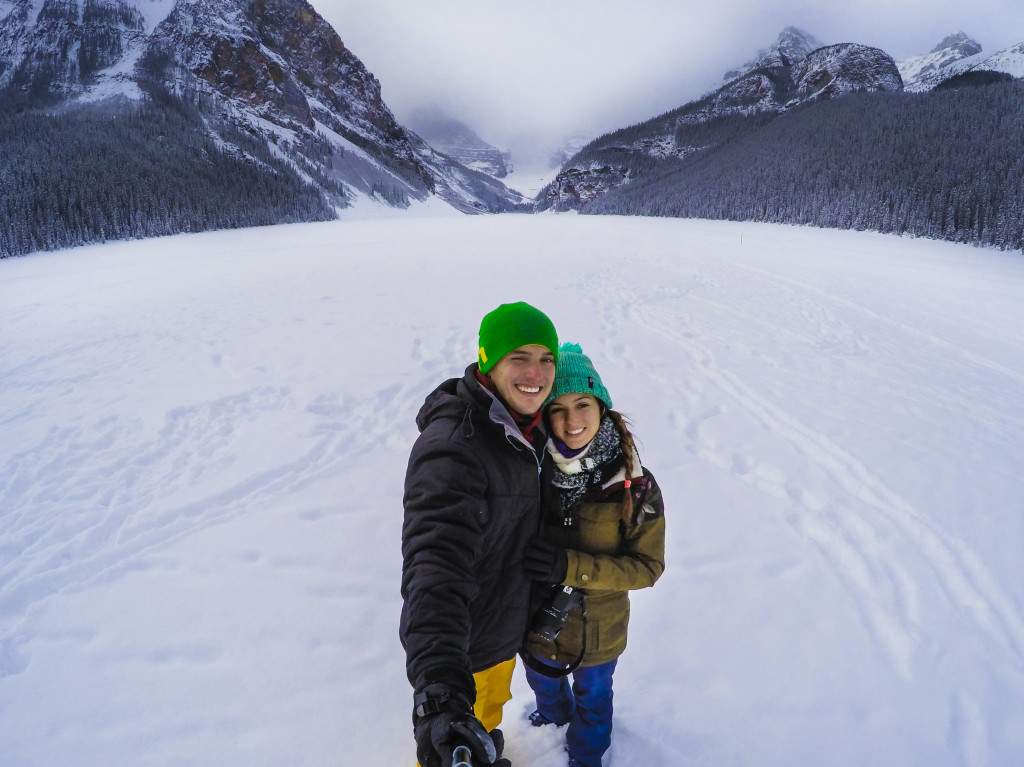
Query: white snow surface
x,y
205,439
1009,60
155,11
924,72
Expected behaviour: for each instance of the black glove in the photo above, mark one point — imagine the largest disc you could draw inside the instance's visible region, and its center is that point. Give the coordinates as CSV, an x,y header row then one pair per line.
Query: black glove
x,y
497,738
443,719
544,561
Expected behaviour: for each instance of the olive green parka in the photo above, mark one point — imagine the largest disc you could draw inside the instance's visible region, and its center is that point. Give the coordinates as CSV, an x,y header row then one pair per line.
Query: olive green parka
x,y
607,558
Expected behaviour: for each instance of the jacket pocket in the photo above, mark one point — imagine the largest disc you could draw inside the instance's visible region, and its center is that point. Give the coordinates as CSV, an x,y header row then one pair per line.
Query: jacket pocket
x,y
607,619
599,529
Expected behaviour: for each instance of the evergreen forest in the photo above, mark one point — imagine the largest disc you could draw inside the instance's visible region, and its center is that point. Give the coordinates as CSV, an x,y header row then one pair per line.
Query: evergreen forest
x,y
127,170
946,164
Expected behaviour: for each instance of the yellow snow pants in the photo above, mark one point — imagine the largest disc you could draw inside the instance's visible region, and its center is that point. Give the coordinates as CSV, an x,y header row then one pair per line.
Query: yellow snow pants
x,y
493,691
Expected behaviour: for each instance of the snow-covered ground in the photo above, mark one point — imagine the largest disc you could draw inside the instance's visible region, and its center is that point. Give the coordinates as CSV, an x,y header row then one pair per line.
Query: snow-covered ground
x,y
205,436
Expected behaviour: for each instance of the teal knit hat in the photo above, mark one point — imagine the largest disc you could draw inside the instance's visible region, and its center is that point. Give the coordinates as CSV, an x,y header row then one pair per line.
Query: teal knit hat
x,y
576,375
510,326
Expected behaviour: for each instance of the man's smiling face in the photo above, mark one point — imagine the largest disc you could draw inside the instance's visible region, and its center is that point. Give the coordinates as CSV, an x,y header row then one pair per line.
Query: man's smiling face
x,y
523,377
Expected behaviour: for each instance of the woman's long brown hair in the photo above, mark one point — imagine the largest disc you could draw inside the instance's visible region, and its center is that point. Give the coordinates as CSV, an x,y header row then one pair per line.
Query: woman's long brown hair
x,y
626,443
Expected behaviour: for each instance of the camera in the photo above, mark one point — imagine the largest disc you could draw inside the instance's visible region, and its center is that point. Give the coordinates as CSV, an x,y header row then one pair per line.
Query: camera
x,y
549,621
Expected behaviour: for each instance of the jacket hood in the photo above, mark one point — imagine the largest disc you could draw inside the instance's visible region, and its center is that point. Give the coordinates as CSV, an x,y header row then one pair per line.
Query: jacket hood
x,y
457,397
443,402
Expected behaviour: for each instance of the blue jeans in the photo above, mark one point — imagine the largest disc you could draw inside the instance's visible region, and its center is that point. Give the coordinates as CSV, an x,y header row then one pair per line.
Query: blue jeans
x,y
586,706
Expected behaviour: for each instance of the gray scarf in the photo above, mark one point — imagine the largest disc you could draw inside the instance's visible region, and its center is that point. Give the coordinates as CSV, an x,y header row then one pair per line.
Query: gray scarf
x,y
574,477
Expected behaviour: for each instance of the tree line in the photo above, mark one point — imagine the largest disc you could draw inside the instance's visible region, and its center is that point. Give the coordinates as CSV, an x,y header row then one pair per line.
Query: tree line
x,y
143,169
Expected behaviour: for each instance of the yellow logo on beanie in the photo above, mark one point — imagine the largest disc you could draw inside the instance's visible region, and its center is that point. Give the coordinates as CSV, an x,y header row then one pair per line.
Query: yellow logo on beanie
x,y
483,355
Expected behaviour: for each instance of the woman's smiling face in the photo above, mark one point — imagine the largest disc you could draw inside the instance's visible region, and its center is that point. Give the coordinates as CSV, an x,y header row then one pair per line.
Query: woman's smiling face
x,y
574,419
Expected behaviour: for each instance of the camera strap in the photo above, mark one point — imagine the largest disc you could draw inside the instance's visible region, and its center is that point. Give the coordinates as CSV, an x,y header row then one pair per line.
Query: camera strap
x,y
545,668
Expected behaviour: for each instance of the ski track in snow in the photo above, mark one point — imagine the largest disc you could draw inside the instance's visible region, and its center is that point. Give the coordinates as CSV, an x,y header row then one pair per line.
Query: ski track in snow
x,y
857,535
85,501
841,338
968,732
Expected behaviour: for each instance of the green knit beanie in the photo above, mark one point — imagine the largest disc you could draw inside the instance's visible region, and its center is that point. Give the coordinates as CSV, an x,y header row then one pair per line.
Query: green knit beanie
x,y
510,326
576,375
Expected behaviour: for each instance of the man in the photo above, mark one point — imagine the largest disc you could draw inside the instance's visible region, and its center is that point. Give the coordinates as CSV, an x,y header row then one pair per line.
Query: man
x,y
472,502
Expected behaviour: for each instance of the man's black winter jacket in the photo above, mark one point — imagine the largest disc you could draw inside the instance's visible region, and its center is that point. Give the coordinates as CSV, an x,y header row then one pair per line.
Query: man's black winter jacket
x,y
472,501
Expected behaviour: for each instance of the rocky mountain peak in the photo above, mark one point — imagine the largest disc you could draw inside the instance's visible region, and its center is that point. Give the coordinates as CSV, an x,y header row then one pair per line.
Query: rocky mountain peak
x,y
279,61
838,69
825,72
954,55
960,43
793,45
796,43
274,68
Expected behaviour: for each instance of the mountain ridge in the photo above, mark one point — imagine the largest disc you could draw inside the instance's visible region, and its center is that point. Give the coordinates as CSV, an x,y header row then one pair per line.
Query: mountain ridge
x,y
457,140
955,54
824,73
829,140
275,68
793,44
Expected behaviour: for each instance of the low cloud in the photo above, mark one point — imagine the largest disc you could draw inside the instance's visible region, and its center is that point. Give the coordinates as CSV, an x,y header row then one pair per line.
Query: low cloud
x,y
589,66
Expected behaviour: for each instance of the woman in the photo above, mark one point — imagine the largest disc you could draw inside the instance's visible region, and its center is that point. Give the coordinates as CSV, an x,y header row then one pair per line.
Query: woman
x,y
603,535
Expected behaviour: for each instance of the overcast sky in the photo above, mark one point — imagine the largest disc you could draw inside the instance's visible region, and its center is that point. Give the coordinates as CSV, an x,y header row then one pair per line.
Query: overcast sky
x,y
589,66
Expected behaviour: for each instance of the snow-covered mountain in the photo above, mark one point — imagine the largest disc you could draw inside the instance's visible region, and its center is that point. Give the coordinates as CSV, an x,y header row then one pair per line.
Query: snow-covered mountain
x,y
825,72
839,69
466,189
280,66
781,79
274,67
955,54
66,49
792,46
457,140
1009,60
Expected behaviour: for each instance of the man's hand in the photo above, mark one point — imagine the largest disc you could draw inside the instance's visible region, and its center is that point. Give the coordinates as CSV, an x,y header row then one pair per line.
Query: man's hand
x,y
444,719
